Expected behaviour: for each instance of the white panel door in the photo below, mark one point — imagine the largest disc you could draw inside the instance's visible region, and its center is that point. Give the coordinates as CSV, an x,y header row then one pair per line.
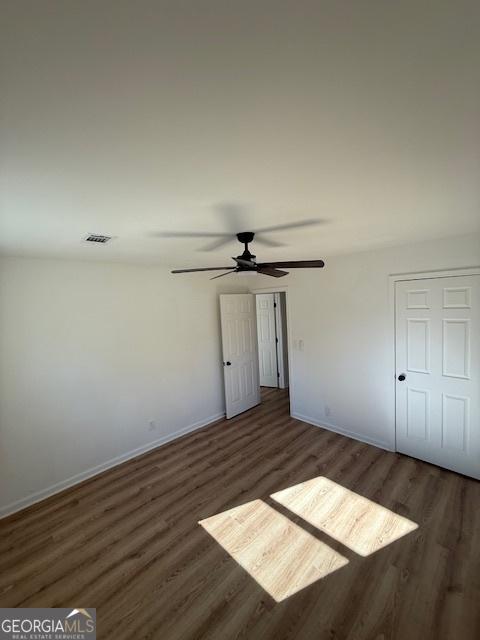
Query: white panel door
x,y
267,340
437,355
240,357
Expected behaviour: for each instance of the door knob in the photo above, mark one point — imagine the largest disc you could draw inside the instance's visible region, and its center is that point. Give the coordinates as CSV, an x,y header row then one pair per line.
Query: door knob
x,y
402,377
228,363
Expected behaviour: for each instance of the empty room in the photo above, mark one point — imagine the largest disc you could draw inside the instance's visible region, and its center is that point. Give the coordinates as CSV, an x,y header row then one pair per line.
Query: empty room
x,y
239,320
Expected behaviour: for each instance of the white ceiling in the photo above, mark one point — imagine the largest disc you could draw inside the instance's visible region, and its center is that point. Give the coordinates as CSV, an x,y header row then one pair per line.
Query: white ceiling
x,y
129,118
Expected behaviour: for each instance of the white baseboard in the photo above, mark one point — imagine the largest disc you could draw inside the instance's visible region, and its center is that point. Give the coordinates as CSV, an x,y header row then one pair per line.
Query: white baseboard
x,y
344,432
38,496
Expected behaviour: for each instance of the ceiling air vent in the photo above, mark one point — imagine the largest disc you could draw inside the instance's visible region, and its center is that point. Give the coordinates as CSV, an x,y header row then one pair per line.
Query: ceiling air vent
x,y
93,237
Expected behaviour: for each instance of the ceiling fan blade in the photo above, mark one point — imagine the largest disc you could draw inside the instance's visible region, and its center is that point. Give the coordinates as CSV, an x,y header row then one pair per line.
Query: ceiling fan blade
x,y
190,234
216,244
224,274
202,269
260,239
294,264
291,225
245,263
268,271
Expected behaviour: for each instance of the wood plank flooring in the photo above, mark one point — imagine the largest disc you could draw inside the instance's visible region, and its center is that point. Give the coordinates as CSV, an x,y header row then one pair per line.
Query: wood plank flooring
x,y
372,546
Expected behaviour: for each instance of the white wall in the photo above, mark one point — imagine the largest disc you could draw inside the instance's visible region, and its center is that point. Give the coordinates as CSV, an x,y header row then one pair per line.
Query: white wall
x,y
343,316
90,354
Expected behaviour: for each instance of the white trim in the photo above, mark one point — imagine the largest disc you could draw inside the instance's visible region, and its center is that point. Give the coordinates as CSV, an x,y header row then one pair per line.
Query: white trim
x,y
440,273
38,496
277,289
280,347
382,444
416,275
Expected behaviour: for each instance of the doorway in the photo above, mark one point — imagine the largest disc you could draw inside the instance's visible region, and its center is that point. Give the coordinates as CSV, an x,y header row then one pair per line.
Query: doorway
x,y
240,350
271,310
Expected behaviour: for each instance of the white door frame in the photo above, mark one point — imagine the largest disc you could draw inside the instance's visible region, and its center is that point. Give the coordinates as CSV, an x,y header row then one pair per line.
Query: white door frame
x,y
267,312
282,348
283,289
416,275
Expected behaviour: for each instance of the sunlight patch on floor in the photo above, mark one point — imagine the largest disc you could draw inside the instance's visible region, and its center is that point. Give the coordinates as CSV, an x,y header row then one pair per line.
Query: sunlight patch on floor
x,y
358,523
281,556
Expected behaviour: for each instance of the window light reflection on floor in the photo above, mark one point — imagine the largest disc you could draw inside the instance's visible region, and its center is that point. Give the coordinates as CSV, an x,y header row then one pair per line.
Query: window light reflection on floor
x,y
353,520
281,556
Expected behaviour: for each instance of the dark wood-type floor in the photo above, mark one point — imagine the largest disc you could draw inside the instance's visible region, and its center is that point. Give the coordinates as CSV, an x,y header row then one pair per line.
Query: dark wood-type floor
x,y
128,542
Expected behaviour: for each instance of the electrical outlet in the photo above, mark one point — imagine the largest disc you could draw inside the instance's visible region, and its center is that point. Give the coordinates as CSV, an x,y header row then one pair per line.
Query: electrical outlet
x,y
328,411
151,425
300,345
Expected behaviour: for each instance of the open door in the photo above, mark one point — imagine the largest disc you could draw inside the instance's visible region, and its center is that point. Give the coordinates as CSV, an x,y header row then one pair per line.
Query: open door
x,y
267,340
240,356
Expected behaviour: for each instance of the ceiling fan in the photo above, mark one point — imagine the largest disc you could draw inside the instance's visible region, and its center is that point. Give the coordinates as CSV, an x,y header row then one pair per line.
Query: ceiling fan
x,y
247,262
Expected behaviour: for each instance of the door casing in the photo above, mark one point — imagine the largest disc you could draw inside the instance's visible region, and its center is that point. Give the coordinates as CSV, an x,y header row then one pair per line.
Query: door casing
x,y
267,340
282,346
